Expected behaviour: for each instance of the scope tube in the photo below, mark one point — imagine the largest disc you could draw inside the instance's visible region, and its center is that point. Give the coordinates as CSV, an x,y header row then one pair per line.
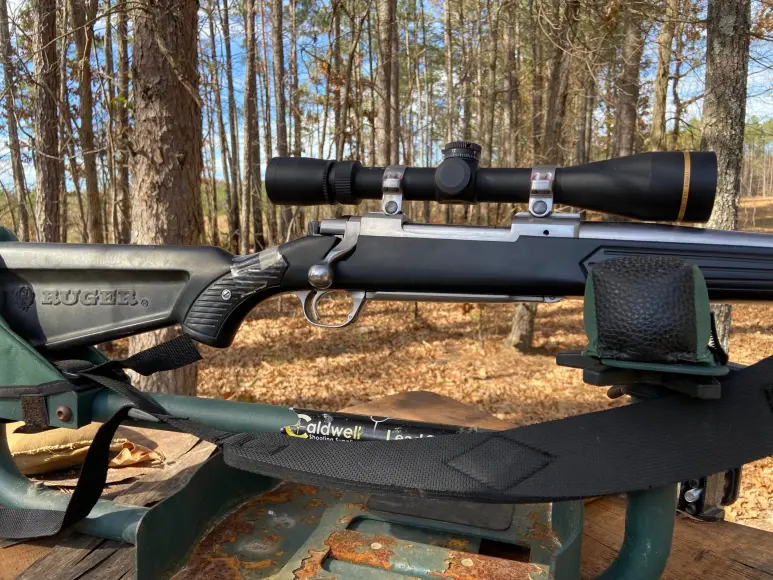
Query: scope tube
x,y
665,186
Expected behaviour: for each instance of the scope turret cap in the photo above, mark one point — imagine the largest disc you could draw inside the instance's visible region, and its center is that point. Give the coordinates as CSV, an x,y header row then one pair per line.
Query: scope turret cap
x,y
464,149
650,313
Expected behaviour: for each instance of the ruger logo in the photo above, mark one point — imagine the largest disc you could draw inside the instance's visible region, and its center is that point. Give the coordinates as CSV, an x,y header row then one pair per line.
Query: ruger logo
x,y
117,297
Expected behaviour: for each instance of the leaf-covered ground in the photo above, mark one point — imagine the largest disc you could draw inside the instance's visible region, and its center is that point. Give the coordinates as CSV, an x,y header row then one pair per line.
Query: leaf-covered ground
x,y
454,350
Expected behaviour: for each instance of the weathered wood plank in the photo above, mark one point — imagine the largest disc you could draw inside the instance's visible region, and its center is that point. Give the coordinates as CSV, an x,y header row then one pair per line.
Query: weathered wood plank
x,y
710,551
67,556
120,564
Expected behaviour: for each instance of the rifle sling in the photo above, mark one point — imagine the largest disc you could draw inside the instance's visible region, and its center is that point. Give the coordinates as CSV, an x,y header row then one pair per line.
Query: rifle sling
x,y
630,448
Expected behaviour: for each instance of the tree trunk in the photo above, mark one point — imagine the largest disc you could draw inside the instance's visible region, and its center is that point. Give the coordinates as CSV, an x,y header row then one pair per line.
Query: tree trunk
x,y
372,85
224,152
213,229
490,87
665,42
536,83
356,30
679,56
234,223
65,139
334,77
522,330
123,203
295,104
19,183
252,187
82,13
558,85
48,168
250,107
394,84
627,85
271,221
449,62
110,205
383,82
279,78
512,70
724,114
166,165
587,98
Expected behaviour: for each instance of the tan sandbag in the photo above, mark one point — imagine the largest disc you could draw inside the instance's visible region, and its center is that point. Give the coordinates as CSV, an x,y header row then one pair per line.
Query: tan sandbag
x,y
58,449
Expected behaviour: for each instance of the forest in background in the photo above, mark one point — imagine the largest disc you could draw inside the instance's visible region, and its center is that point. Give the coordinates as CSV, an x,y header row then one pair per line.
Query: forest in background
x,y
131,121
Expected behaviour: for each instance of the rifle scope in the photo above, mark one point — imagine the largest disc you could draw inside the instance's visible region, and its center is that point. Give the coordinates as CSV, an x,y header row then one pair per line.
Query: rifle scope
x,y
667,186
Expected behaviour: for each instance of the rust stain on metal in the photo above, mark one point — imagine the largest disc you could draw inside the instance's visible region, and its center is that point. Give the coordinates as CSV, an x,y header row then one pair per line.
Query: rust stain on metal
x,y
311,566
211,562
208,559
259,565
357,506
466,566
264,544
345,520
543,533
351,546
458,544
305,489
311,520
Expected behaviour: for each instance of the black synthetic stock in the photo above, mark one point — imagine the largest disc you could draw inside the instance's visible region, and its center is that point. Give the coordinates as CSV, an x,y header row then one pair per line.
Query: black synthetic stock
x,y
185,285
648,186
66,295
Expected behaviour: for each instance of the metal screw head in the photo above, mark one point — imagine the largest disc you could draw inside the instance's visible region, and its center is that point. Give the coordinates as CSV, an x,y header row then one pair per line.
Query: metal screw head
x,y
391,207
64,414
466,562
539,208
225,294
321,276
376,546
693,495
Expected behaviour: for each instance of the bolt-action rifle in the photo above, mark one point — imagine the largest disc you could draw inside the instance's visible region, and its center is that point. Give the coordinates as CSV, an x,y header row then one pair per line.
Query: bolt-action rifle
x,y
59,296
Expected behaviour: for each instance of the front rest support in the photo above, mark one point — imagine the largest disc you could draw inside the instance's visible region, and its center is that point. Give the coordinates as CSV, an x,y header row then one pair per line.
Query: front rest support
x,y
649,529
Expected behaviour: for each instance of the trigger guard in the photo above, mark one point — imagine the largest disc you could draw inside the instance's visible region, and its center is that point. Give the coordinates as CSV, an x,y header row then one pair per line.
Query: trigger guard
x,y
310,298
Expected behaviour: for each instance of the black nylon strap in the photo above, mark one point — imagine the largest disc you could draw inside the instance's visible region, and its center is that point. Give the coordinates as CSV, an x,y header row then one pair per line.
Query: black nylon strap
x,y
18,523
625,449
173,354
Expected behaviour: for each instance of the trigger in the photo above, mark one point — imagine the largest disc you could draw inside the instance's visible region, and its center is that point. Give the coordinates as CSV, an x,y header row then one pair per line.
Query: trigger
x,y
317,297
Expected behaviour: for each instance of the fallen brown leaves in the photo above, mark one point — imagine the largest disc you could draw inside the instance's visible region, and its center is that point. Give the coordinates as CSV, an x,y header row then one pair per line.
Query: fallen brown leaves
x,y
278,358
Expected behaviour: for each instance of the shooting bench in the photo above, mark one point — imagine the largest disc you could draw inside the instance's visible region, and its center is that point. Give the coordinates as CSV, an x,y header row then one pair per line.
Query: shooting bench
x,y
720,550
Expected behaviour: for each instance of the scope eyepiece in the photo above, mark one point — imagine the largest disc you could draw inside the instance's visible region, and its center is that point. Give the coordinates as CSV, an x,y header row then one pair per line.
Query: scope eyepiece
x,y
660,186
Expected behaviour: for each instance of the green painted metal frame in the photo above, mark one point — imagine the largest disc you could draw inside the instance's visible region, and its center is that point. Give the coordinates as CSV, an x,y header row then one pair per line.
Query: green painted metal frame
x,y
107,520
649,530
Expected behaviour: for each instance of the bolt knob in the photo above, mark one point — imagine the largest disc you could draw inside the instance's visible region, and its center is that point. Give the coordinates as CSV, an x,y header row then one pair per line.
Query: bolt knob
x,y
321,276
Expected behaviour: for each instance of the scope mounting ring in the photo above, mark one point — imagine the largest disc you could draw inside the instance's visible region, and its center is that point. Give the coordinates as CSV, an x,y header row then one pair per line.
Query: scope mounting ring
x,y
392,189
541,192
